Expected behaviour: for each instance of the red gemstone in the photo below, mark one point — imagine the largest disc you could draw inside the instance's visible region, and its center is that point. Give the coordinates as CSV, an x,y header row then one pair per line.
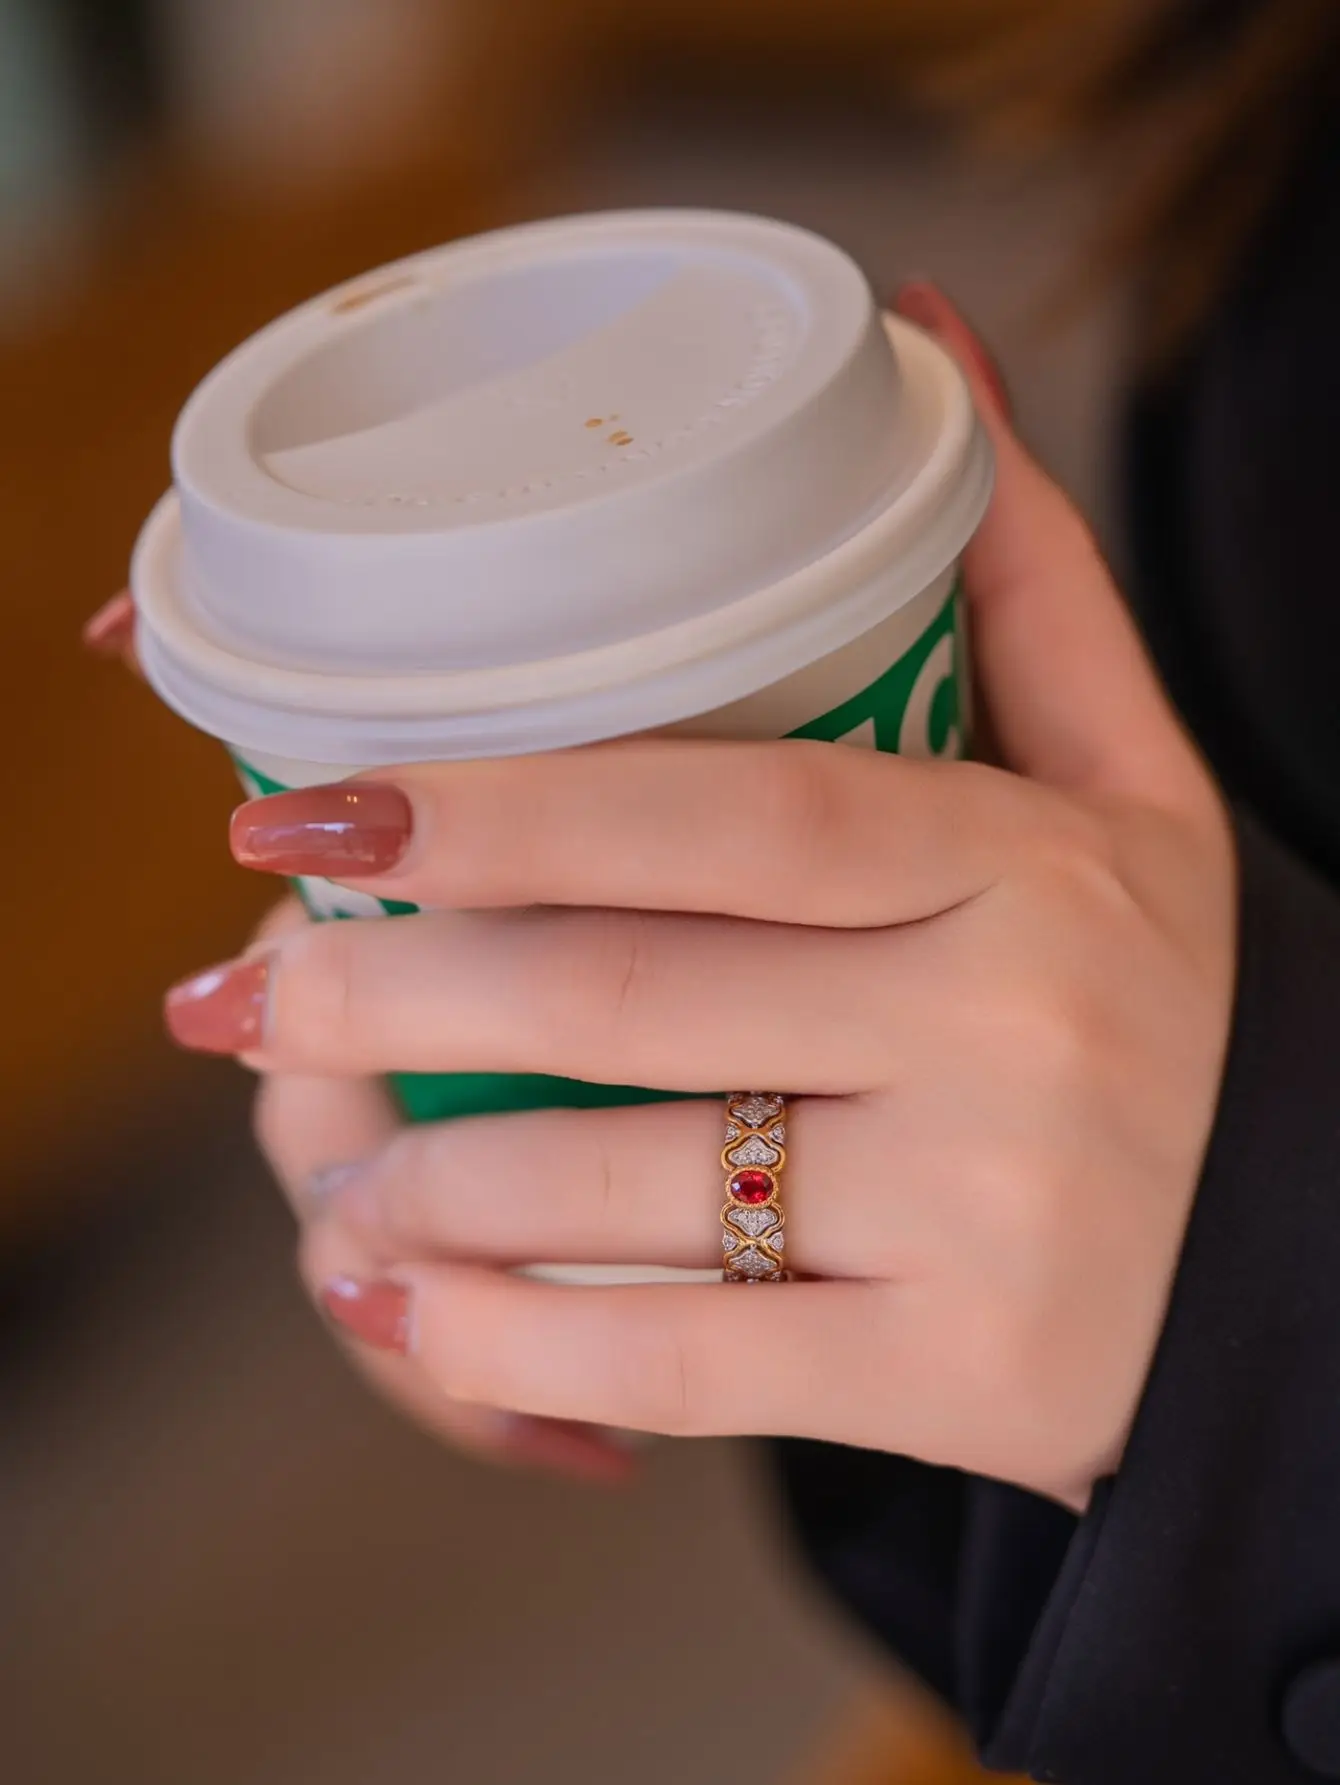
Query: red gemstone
x,y
751,1186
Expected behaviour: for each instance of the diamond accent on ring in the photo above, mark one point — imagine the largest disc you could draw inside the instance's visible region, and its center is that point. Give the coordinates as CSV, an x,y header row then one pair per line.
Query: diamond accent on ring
x,y
778,1134
777,1241
752,1263
756,1107
754,1151
733,1131
728,1241
754,1221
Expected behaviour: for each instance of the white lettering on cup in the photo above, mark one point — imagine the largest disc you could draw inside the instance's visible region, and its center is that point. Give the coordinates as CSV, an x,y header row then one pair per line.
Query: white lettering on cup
x,y
914,735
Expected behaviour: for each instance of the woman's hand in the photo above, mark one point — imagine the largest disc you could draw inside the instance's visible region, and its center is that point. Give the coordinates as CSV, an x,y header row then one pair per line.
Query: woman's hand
x,y
1000,998
304,1121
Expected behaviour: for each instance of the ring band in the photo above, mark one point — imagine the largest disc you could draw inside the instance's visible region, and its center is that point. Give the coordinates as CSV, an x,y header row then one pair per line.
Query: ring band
x,y
753,1238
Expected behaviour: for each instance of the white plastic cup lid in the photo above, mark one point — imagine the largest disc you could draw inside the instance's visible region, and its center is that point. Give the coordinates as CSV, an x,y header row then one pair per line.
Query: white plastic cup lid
x,y
548,485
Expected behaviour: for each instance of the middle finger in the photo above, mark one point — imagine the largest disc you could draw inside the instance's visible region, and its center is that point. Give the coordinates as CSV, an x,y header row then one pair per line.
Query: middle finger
x,y
613,997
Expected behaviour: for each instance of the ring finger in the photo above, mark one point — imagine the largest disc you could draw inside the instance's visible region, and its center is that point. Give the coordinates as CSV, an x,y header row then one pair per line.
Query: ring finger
x,y
636,1186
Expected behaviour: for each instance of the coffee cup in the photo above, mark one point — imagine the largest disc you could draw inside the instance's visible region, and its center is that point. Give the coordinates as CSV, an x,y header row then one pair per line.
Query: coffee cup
x,y
664,471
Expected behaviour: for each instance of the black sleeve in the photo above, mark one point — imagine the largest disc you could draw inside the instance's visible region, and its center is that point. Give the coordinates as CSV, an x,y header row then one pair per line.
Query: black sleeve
x,y
1188,1627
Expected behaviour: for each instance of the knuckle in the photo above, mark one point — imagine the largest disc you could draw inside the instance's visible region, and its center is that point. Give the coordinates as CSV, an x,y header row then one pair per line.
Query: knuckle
x,y
1048,1026
584,998
1037,1030
666,1384
1073,861
1053,1010
629,964
1055,1035
798,794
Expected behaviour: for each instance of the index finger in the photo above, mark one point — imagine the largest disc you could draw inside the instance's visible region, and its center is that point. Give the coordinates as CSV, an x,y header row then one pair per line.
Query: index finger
x,y
797,832
1072,692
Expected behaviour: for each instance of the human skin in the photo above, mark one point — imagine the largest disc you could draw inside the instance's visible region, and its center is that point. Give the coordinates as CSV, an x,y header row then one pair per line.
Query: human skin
x,y
999,997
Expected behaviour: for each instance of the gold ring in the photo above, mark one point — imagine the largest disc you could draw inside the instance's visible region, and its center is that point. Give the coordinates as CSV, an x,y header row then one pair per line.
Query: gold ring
x,y
753,1221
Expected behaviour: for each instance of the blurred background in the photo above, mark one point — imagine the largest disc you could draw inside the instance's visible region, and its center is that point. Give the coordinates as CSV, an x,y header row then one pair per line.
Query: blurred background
x,y
227,1565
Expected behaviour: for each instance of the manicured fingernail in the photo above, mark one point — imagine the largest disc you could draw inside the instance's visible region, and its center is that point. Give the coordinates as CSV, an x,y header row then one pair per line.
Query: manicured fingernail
x,y
921,302
353,828
563,1447
112,628
379,1313
220,1011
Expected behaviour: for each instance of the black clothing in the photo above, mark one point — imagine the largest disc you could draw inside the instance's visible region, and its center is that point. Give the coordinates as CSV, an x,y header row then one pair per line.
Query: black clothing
x,y
1187,1628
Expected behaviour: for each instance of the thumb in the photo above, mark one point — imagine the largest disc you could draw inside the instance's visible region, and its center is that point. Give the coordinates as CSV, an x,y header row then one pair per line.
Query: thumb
x,y
1070,690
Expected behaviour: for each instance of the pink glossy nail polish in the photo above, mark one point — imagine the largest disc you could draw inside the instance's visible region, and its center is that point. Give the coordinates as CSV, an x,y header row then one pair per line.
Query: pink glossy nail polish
x,y
110,632
921,302
353,829
378,1313
564,1447
220,1011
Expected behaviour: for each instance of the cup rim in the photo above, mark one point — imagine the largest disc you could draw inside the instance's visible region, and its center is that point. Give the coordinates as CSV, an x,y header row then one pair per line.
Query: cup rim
x,y
684,669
